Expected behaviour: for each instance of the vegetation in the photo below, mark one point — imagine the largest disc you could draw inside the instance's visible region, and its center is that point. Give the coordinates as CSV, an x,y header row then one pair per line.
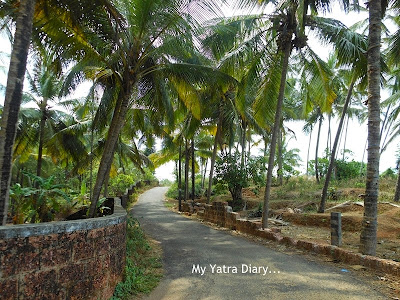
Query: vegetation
x,y
143,268
229,171
206,85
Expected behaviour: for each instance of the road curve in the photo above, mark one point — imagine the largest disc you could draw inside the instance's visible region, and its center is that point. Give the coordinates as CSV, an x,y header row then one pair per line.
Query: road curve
x,y
234,267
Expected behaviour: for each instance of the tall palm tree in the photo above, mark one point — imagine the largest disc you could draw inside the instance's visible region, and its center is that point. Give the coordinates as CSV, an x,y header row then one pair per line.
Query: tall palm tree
x,y
290,35
130,62
46,86
12,102
358,45
369,224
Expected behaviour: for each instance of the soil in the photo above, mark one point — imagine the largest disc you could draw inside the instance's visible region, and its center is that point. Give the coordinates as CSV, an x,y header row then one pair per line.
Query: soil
x,y
306,224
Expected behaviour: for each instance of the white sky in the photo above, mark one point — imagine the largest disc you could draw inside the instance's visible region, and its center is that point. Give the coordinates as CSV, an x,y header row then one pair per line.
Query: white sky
x,y
357,133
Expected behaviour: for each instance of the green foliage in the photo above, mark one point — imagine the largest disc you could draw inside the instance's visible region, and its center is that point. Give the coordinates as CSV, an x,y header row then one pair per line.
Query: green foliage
x,y
118,184
389,173
18,204
290,161
173,189
349,169
323,165
343,169
228,170
142,270
40,201
219,189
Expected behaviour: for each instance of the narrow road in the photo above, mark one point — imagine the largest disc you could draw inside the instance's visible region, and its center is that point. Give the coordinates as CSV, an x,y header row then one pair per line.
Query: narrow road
x,y
203,263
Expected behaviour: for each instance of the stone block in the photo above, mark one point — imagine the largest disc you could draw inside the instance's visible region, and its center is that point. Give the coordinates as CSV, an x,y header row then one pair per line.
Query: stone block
x,y
391,267
96,233
306,245
8,264
371,262
83,250
9,289
80,290
276,229
55,257
288,241
340,254
277,237
41,285
72,273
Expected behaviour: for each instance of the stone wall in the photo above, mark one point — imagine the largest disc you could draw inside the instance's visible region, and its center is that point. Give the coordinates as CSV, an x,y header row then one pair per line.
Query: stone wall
x,y
221,214
133,188
81,259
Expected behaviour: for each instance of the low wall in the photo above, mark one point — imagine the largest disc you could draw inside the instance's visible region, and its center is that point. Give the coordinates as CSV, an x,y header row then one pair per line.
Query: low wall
x,y
129,191
220,213
81,259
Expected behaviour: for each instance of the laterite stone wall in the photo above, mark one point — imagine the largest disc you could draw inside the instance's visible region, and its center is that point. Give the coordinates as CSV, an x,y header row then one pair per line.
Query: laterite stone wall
x,y
82,259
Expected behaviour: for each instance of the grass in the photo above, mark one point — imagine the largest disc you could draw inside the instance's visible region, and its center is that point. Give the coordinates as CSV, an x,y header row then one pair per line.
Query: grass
x,y
143,268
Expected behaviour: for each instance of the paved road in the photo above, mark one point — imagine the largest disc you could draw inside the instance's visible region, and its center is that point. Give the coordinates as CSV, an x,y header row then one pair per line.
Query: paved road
x,y
188,243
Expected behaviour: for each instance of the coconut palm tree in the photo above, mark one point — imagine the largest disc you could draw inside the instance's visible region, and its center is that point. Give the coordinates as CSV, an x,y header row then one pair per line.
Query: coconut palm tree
x,y
23,13
13,99
368,236
130,62
357,44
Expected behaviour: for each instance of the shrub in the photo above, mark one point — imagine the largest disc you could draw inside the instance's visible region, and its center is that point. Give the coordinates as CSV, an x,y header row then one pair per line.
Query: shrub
x,y
118,184
229,171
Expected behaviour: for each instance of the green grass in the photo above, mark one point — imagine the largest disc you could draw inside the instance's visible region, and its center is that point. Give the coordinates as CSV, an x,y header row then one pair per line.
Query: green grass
x,y
143,268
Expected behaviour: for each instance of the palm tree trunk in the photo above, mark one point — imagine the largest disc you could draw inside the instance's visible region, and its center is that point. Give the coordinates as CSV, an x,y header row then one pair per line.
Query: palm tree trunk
x,y
180,177
345,138
308,151
369,224
214,155
317,146
116,125
204,175
397,193
329,138
186,171
106,180
280,163
249,149
321,208
193,171
12,101
277,123
41,136
265,153
243,144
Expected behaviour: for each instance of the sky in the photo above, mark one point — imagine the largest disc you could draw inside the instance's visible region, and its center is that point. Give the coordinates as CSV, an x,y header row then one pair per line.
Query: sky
x,y
357,133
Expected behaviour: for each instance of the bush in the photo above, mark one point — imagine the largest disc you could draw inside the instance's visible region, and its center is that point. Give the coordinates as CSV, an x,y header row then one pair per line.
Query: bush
x,y
173,191
40,201
229,171
389,173
343,169
118,184
348,170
